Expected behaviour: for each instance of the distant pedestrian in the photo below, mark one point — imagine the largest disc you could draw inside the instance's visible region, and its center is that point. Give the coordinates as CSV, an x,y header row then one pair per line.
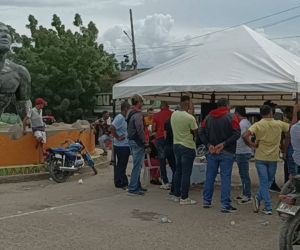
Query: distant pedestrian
x,y
265,137
121,147
159,121
243,155
220,131
137,143
184,127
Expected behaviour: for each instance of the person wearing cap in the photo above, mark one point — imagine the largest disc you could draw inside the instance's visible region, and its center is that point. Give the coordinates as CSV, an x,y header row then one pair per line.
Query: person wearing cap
x,y
243,155
137,143
159,121
35,116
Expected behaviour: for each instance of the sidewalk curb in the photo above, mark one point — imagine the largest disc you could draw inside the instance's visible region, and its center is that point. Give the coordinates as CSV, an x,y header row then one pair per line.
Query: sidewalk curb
x,y
45,175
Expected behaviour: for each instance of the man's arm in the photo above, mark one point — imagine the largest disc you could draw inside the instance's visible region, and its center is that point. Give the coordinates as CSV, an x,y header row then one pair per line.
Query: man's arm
x,y
247,139
139,125
115,135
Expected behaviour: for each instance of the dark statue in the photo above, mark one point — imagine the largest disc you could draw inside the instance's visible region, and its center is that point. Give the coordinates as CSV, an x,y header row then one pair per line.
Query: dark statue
x,y
15,82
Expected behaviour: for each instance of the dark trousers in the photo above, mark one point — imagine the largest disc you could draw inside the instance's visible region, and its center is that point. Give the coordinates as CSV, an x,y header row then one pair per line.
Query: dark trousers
x,y
120,165
184,165
160,146
169,153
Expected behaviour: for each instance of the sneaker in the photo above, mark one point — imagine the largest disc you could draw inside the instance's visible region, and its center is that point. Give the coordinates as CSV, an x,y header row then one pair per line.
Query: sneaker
x,y
155,182
238,198
256,205
187,201
245,200
143,189
165,186
230,209
137,193
175,199
171,193
207,205
267,212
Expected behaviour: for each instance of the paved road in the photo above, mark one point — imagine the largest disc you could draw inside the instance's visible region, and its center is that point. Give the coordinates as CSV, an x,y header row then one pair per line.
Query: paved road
x,y
94,215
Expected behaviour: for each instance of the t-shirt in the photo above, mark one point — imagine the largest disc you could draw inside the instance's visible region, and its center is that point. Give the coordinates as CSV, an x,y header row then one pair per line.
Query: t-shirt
x,y
268,136
182,125
295,140
169,133
160,119
120,125
241,147
36,117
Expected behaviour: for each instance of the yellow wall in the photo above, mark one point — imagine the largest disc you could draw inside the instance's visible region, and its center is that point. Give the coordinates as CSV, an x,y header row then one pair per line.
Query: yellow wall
x,y
23,151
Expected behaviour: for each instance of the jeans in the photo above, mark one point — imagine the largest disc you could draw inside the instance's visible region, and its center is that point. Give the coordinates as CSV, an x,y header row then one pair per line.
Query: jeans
x,y
266,171
291,164
102,139
225,162
138,156
160,145
242,161
122,156
184,164
169,153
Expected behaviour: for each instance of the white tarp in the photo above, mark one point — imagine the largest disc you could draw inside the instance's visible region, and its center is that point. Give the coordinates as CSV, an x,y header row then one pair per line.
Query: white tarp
x,y
235,60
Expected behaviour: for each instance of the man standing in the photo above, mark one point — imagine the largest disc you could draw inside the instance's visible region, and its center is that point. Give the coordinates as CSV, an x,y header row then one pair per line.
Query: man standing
x,y
104,131
267,133
121,147
137,143
35,116
243,155
220,131
159,121
294,166
184,127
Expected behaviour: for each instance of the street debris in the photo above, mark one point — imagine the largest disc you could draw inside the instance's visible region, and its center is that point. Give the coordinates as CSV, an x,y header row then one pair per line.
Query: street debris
x,y
80,181
232,222
265,223
165,220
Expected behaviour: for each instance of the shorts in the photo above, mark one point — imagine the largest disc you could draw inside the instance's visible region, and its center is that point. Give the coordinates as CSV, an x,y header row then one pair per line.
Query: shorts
x,y
40,136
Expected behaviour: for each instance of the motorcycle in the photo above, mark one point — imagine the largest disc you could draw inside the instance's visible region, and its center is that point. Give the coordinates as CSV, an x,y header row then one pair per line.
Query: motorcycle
x,y
63,162
289,210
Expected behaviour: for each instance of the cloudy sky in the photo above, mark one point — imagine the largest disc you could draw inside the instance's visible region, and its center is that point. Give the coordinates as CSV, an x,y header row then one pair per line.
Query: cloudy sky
x,y
160,22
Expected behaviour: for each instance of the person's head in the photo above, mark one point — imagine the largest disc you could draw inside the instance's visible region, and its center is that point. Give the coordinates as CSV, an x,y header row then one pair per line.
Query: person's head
x,y
5,39
164,105
105,115
40,103
240,111
125,106
223,103
272,105
137,101
185,103
150,112
266,111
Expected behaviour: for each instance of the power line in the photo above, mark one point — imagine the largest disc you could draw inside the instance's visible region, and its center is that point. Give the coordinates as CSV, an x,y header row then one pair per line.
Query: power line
x,y
279,22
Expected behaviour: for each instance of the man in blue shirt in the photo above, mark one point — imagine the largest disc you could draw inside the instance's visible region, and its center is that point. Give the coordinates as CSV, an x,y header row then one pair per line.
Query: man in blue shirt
x,y
121,147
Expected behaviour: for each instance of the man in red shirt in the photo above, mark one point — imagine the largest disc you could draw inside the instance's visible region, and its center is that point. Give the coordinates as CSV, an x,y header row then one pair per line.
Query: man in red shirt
x,y
159,121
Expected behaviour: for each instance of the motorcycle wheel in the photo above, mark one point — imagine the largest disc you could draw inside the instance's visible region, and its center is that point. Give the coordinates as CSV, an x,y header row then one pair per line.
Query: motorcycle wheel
x,y
290,233
56,174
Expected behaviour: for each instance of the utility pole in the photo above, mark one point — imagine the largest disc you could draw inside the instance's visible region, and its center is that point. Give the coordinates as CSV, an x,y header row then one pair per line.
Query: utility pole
x,y
134,62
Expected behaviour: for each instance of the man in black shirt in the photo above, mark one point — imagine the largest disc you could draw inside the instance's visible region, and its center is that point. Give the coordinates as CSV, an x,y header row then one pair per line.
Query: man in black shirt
x,y
169,153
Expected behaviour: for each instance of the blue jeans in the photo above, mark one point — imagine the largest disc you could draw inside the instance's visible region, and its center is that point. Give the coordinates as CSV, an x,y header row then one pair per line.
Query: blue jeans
x,y
266,171
291,164
225,162
169,153
160,146
184,165
120,165
138,156
242,161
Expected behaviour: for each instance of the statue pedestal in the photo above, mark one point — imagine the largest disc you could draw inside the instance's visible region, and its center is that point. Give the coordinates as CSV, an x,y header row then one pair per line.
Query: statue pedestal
x,y
16,149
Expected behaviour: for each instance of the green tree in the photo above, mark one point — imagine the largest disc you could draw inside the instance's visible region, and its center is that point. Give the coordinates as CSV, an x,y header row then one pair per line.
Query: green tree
x,y
67,68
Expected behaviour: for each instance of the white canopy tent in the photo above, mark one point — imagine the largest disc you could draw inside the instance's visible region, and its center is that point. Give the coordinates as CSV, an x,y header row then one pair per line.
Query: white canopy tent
x,y
236,62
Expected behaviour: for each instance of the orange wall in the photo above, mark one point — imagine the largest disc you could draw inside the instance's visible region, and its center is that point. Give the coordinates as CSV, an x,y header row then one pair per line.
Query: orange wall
x,y
23,151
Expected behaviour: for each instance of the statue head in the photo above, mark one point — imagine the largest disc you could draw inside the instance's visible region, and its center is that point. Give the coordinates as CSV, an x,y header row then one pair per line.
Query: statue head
x,y
5,39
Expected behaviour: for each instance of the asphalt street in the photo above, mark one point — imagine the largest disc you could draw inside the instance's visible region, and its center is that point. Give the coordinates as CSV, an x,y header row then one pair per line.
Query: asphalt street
x,y
95,215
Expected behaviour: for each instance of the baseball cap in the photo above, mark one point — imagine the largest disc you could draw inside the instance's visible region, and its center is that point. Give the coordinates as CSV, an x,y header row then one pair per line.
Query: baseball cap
x,y
40,101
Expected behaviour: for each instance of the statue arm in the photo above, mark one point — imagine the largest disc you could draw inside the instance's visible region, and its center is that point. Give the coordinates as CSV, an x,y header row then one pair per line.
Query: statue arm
x,y
24,92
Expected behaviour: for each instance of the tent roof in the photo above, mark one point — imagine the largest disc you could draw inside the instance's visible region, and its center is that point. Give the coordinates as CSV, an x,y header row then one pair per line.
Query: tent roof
x,y
238,59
